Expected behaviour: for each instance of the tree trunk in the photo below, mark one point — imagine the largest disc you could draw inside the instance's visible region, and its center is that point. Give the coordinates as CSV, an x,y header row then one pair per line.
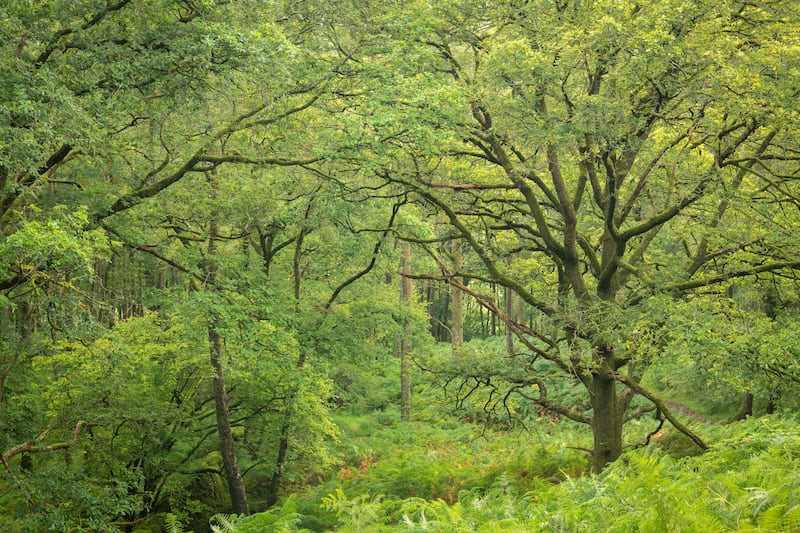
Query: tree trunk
x,y
746,408
226,445
509,310
403,344
493,316
514,308
283,442
606,421
771,401
280,461
23,323
405,386
747,405
457,303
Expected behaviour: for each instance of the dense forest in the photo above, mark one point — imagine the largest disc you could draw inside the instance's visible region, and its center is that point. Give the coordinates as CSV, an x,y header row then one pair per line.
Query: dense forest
x,y
466,265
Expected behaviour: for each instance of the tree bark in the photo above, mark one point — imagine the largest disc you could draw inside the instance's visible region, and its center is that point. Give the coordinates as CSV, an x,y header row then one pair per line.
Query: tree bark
x,y
227,447
280,460
282,456
493,316
771,401
457,302
403,344
515,309
509,309
606,420
746,408
283,442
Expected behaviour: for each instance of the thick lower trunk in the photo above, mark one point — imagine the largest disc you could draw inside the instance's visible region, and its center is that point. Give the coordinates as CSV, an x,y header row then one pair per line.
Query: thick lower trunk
x,y
771,401
606,421
226,445
747,406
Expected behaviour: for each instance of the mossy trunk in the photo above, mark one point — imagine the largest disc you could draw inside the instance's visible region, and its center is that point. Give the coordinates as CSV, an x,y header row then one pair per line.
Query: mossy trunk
x,y
227,447
273,489
606,421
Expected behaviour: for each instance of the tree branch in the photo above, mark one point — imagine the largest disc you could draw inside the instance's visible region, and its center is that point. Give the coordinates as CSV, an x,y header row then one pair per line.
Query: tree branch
x,y
36,446
355,277
720,278
662,409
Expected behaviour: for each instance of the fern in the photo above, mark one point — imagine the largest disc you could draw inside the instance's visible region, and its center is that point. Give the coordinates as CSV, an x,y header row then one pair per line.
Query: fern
x,y
773,519
224,523
358,512
792,519
748,481
173,524
285,519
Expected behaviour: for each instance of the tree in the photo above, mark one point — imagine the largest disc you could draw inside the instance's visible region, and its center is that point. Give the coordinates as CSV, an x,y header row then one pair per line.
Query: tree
x,y
598,149
457,301
313,312
404,337
227,448
114,109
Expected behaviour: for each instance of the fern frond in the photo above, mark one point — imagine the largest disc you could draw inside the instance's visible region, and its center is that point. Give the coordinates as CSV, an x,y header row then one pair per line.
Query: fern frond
x,y
223,523
772,518
173,524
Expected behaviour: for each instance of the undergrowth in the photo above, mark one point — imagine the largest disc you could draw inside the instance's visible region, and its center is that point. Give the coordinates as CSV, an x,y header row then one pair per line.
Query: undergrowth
x,y
438,461
435,480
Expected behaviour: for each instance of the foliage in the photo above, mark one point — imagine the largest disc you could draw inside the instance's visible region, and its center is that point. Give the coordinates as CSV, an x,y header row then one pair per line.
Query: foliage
x,y
431,460
54,250
172,524
721,347
282,520
138,398
585,153
747,481
71,497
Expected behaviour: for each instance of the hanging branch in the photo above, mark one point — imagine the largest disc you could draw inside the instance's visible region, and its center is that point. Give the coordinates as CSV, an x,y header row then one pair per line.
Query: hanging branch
x,y
358,275
662,408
